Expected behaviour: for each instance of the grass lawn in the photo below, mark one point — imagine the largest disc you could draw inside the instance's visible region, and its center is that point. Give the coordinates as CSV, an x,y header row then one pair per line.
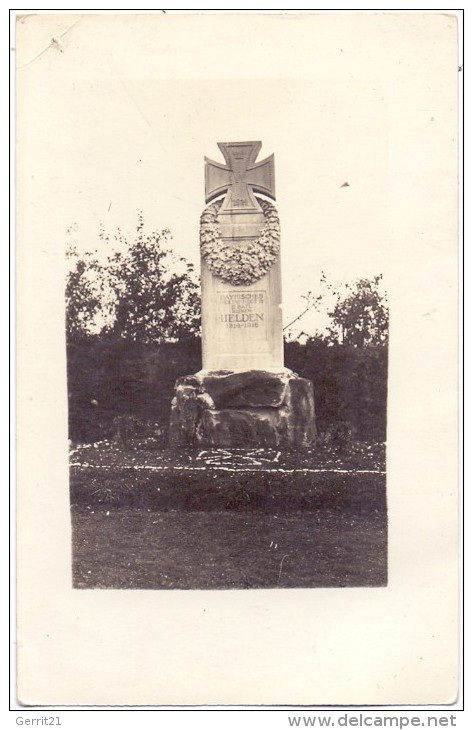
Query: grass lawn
x,y
132,548
220,520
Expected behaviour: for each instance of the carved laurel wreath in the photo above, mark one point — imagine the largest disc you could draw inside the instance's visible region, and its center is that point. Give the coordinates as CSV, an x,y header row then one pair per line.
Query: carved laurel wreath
x,y
240,263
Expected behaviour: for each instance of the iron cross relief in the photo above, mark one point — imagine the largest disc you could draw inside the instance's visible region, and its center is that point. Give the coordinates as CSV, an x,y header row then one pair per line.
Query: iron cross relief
x,y
239,177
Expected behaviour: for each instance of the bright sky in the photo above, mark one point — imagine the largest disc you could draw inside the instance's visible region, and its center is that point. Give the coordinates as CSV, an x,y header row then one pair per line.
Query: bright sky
x,y
142,146
133,104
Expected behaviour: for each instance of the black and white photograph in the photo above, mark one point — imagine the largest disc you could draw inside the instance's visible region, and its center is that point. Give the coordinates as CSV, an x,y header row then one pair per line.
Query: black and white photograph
x,y
207,449
237,246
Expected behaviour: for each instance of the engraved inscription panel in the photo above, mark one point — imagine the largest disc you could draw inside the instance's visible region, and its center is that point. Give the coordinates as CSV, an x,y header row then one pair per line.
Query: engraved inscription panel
x,y
243,311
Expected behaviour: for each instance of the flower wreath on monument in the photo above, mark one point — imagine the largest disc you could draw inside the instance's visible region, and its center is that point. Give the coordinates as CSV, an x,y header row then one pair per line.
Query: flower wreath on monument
x,y
241,263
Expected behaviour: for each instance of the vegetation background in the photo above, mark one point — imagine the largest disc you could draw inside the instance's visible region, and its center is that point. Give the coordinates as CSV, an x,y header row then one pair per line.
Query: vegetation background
x,y
132,323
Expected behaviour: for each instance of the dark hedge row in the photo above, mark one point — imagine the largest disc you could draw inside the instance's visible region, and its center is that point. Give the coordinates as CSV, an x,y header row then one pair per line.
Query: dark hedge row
x,y
109,379
350,386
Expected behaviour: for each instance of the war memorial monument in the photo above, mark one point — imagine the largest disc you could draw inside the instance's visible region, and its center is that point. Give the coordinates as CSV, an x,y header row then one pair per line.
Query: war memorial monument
x,y
243,396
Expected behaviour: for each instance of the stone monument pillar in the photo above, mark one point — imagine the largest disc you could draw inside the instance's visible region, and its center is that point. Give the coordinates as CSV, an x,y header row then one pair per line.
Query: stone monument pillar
x,y
243,396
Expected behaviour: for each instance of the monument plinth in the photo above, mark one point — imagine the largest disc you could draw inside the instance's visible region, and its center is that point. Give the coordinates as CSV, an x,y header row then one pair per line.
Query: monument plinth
x,y
243,395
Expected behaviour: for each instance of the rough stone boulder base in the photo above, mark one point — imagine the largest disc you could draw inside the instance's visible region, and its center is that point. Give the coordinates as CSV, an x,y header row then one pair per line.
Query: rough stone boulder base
x,y
251,408
300,401
239,428
250,388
